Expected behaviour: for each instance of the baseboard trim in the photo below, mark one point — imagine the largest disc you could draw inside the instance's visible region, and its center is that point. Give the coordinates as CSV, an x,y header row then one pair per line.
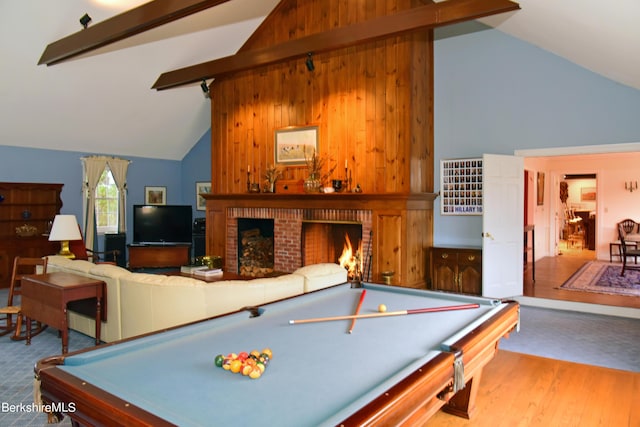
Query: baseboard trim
x,y
608,310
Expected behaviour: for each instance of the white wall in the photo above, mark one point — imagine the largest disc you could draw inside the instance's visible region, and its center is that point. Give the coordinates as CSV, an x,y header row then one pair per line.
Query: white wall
x,y
613,202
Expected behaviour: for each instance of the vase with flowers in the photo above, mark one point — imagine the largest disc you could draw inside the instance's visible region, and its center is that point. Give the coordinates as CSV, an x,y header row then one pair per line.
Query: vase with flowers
x,y
315,165
272,174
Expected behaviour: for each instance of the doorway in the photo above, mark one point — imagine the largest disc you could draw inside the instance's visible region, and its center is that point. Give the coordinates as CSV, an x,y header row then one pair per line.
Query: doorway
x,y
611,164
577,214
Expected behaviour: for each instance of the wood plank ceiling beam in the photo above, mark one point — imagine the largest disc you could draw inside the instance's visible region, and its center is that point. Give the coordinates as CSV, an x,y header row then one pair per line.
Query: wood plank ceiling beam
x,y
122,26
422,17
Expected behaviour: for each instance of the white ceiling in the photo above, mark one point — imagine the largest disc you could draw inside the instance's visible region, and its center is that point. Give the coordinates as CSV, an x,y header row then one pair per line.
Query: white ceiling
x,y
102,102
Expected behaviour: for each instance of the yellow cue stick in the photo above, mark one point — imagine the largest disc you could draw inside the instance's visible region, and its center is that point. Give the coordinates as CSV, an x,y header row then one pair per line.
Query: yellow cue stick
x,y
389,313
353,321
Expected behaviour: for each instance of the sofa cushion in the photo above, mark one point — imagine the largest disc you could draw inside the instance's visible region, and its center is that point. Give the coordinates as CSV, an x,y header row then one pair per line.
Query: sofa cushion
x,y
285,286
109,270
231,295
319,276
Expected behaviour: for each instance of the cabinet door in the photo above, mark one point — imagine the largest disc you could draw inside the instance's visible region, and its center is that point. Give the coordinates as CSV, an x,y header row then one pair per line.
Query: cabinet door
x,y
6,263
470,272
444,271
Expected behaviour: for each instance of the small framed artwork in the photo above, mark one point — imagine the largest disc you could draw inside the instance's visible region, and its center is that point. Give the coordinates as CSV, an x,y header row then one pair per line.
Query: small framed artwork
x,y
155,195
588,194
294,144
540,195
201,202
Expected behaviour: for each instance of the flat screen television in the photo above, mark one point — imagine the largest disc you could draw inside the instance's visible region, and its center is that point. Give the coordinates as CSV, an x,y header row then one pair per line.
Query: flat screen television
x,y
162,224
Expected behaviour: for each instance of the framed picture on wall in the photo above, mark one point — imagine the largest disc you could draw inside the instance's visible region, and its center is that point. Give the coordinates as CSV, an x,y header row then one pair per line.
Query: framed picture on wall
x,y
294,144
201,202
540,188
588,194
461,187
155,195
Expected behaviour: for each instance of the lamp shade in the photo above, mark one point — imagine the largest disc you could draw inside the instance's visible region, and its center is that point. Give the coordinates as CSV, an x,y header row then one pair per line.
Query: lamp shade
x,y
65,227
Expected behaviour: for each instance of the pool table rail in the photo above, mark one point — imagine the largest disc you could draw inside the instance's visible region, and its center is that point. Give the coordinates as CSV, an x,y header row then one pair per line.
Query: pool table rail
x,y
404,404
84,403
397,405
478,348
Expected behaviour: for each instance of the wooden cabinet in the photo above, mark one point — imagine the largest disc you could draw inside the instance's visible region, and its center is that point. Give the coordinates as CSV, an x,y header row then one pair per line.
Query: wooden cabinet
x,y
159,256
28,205
456,270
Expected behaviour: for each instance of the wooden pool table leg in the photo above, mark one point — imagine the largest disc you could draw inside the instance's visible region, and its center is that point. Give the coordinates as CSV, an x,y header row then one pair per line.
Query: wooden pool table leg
x,y
463,403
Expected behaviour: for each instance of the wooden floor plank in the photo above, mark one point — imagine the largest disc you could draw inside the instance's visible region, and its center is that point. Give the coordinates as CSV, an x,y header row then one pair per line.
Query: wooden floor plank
x,y
524,390
553,271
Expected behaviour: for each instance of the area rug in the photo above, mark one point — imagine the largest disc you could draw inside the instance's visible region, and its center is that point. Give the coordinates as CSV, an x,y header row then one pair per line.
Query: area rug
x,y
603,277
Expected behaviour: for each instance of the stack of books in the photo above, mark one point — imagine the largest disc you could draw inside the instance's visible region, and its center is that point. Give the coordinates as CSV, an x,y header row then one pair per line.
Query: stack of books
x,y
190,269
208,272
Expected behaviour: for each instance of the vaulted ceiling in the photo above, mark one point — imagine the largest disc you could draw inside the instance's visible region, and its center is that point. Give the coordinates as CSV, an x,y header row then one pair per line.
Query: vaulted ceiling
x,y
102,101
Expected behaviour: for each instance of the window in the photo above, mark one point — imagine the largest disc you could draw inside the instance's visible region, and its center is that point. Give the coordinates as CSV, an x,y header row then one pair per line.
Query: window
x,y
107,203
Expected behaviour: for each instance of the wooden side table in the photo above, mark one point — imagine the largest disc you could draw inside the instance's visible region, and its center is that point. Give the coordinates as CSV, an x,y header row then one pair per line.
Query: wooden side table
x,y
45,298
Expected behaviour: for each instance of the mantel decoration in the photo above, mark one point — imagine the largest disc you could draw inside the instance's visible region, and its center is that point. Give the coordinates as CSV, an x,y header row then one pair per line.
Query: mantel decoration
x,y
272,174
315,180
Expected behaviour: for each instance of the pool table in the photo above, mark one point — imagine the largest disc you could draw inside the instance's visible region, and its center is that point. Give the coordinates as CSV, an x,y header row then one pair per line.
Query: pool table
x,y
390,370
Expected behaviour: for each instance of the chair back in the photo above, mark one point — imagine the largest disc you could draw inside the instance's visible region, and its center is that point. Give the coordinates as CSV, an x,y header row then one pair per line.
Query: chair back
x,y
78,248
628,225
23,266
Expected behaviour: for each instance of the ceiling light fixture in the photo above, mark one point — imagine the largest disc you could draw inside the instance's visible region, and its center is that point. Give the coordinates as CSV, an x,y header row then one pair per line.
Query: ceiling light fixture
x,y
309,62
205,89
84,20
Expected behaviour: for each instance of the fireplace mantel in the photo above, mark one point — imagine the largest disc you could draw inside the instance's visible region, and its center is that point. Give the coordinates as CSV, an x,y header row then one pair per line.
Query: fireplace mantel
x,y
398,226
324,200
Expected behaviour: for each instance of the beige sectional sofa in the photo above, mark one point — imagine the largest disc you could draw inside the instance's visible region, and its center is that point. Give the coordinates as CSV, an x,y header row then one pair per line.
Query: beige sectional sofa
x,y
138,303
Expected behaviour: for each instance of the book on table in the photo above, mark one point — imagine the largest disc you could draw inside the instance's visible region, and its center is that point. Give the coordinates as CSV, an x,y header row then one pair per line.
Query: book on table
x,y
208,272
190,269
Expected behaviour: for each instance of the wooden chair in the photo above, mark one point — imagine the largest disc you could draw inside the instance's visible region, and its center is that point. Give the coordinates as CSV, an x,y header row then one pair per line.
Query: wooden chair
x,y
628,225
627,251
80,250
21,267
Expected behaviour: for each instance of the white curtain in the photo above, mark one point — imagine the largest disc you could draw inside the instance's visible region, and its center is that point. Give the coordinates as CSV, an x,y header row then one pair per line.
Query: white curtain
x,y
119,169
93,167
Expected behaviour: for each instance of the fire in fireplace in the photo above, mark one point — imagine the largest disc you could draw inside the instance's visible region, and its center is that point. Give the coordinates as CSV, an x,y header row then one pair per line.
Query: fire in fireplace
x,y
323,241
352,261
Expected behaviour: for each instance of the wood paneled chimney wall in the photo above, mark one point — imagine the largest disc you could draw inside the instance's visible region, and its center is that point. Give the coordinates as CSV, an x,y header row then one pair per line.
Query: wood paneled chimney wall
x,y
373,105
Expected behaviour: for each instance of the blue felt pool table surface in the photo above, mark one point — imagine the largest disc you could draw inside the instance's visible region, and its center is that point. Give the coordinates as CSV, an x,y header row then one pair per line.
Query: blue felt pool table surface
x,y
319,373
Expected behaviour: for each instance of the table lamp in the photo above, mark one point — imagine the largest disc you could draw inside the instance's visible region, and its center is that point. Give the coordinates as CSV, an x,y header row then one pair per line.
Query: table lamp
x,y
64,229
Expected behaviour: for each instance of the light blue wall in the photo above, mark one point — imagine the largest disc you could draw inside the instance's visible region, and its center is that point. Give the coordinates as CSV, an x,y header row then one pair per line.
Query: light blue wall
x,y
64,167
496,94
196,167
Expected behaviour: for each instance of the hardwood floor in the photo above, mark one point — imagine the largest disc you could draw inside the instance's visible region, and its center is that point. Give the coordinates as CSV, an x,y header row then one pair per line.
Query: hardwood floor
x,y
524,390
552,272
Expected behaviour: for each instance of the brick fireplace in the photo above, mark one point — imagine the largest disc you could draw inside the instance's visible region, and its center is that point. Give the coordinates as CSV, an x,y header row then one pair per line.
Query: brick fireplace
x,y
396,228
288,231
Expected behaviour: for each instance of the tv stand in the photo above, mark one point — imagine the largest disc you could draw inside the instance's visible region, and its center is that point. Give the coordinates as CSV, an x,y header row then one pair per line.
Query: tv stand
x,y
156,256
